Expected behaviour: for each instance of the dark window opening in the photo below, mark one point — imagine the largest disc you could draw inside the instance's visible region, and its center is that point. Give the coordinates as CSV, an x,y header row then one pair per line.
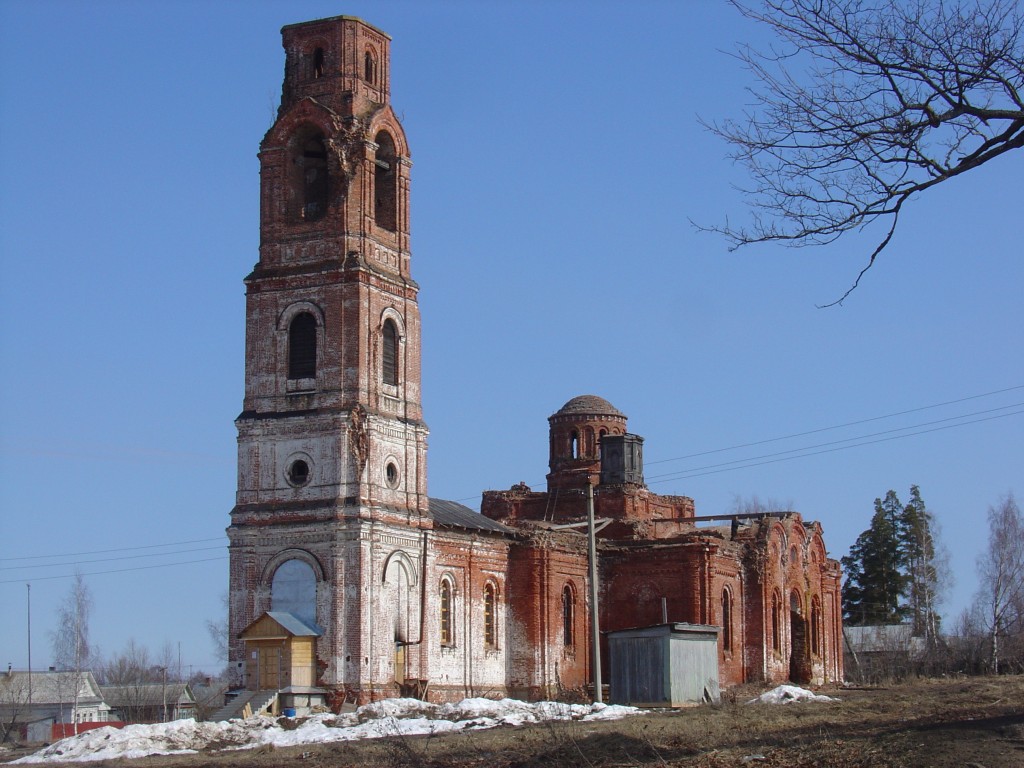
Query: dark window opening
x,y
314,179
776,622
390,353
575,445
391,474
568,609
369,68
815,627
385,183
726,620
318,63
298,472
302,347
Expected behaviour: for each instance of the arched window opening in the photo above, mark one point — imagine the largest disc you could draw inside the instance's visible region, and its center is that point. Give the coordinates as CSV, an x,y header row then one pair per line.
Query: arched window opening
x,y
600,437
293,590
447,636
490,633
311,164
302,347
318,63
385,183
369,68
568,614
389,353
726,620
575,445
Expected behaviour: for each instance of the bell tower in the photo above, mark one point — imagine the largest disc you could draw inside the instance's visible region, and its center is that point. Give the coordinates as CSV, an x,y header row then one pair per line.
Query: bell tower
x,y
331,439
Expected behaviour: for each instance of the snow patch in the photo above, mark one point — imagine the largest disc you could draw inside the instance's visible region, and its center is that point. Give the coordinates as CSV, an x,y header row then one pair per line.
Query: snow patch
x,y
390,717
786,694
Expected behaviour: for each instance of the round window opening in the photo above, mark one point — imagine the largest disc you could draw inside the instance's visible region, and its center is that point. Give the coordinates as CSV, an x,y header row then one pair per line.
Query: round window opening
x,y
391,474
298,472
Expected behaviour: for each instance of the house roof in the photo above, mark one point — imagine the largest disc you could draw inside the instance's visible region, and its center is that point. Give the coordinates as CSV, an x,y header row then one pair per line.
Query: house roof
x,y
53,687
147,694
451,514
882,637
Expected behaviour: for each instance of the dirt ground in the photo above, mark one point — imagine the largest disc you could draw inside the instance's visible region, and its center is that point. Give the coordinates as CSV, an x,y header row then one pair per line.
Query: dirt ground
x,y
967,723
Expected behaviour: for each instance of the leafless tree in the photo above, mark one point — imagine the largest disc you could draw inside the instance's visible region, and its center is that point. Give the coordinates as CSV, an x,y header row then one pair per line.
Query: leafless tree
x,y
863,104
14,698
1001,568
72,653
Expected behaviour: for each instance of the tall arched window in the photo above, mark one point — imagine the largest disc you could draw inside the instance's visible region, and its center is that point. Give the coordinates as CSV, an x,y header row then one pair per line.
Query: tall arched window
x,y
568,615
776,621
726,620
575,445
490,629
447,635
302,347
293,590
385,183
318,63
369,68
311,176
815,626
389,353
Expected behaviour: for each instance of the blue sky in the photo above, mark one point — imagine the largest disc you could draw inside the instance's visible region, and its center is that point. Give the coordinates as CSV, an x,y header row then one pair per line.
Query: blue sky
x,y
558,161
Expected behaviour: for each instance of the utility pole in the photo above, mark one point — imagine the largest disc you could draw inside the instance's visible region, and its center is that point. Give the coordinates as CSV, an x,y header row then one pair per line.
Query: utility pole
x,y
595,625
29,609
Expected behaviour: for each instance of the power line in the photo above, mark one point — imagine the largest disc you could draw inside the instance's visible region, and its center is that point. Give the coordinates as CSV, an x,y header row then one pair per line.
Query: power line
x,y
851,439
107,559
839,426
698,473
115,570
116,549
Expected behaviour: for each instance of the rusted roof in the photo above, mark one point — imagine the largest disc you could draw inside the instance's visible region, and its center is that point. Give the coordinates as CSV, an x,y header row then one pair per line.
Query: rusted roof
x,y
451,514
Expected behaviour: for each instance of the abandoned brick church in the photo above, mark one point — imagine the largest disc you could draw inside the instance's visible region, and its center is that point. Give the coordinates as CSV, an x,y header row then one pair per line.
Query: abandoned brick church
x,y
345,575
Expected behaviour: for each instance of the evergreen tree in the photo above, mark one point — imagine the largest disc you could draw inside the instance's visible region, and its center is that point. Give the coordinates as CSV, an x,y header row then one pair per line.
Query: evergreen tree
x,y
875,578
922,565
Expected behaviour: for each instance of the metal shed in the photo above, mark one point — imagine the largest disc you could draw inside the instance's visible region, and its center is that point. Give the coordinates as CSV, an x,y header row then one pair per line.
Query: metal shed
x,y
665,665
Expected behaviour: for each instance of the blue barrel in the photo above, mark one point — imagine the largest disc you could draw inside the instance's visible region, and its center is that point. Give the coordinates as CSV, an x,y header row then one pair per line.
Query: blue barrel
x,y
289,711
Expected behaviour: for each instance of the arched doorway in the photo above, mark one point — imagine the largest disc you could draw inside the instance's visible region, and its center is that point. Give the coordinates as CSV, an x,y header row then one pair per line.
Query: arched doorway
x,y
799,656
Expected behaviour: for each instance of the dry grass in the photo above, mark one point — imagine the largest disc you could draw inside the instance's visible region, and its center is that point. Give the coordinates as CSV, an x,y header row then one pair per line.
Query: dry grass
x,y
967,723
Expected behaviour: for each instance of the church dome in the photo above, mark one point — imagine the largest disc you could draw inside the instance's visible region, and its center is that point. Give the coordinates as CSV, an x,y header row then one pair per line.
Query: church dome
x,y
590,405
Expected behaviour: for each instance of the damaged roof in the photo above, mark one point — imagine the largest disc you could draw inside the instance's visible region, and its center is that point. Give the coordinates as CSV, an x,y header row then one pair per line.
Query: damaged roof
x,y
451,514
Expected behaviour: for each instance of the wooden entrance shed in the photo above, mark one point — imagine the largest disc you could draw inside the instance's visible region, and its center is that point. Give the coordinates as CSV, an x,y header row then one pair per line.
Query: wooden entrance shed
x,y
280,652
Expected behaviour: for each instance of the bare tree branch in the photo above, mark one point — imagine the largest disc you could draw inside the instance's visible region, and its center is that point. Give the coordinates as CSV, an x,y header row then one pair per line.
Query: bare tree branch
x,y
892,98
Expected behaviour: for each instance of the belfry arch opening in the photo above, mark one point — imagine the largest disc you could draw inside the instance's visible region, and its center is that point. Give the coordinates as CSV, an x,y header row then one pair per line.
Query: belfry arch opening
x,y
309,176
385,183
